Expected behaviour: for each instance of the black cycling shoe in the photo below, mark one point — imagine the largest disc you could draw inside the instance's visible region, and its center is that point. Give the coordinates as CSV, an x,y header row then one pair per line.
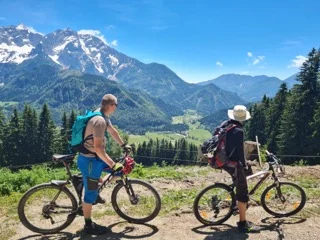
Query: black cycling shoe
x,y
248,227
95,229
99,200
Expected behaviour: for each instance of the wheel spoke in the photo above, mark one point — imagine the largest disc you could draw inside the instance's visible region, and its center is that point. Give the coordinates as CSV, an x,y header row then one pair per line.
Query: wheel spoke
x,y
214,205
48,208
137,206
283,200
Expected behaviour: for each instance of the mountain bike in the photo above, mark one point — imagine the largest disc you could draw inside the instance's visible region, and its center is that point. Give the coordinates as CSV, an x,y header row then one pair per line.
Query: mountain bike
x,y
51,207
217,203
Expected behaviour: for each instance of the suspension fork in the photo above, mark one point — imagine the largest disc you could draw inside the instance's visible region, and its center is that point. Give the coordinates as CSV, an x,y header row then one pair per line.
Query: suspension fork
x,y
276,182
126,183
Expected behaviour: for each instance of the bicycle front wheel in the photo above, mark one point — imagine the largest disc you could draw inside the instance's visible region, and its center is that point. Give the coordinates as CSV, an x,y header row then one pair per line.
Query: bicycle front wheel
x,y
47,208
283,200
136,201
214,204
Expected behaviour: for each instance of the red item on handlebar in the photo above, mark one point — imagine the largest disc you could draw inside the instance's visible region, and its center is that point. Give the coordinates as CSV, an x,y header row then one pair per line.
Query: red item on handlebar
x,y
128,165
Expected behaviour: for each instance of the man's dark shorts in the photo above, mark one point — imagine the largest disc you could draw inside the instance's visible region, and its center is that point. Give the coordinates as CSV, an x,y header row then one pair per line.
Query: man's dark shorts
x,y
240,181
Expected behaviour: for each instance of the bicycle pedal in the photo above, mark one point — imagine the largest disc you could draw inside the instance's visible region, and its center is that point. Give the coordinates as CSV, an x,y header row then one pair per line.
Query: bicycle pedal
x,y
235,213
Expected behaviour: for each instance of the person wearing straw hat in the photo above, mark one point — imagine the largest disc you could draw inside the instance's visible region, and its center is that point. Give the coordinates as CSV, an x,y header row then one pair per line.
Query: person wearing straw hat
x,y
235,146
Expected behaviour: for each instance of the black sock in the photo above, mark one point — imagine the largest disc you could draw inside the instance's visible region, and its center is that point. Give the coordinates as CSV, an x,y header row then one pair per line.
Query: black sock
x,y
242,223
88,221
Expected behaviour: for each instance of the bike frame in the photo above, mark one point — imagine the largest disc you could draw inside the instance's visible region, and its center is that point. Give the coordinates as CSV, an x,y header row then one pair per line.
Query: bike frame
x,y
264,174
109,178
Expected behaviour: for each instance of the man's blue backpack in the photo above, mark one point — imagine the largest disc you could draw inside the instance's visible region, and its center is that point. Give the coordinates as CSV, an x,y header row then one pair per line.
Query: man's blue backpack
x,y
78,131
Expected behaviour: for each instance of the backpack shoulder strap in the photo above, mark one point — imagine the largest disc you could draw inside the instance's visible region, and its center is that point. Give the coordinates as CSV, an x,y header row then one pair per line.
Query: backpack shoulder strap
x,y
89,116
231,127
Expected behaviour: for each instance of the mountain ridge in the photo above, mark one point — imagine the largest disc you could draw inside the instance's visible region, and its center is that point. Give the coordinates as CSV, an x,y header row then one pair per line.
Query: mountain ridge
x,y
69,49
251,88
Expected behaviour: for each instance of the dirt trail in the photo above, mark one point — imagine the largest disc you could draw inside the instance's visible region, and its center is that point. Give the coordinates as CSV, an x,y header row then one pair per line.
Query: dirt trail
x,y
185,227
182,225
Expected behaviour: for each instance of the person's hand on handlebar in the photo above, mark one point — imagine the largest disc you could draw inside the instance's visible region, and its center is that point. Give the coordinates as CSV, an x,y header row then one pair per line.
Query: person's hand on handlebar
x,y
117,167
126,147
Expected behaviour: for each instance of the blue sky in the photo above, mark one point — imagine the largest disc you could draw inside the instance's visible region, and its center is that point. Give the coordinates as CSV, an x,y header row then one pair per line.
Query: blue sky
x,y
199,40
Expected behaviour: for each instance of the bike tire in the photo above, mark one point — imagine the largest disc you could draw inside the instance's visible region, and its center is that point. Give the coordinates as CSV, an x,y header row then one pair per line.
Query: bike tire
x,y
200,194
298,209
131,219
30,226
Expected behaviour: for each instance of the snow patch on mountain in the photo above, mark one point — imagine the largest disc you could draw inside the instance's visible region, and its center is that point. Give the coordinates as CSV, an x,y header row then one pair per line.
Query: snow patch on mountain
x,y
95,60
114,60
62,46
55,59
98,63
14,53
29,29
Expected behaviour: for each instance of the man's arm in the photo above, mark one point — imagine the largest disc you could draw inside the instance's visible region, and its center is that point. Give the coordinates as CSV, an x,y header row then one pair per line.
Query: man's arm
x,y
239,140
115,135
101,151
99,127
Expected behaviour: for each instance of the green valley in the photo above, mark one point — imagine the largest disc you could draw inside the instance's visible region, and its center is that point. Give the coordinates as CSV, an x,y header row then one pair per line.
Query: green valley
x,y
196,133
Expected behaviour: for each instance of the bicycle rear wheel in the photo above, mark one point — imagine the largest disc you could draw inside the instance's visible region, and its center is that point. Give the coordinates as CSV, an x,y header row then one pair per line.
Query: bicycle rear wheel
x,y
284,200
214,204
47,208
136,202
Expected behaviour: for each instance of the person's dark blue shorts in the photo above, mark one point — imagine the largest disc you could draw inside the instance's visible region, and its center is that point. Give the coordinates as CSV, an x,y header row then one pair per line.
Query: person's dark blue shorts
x,y
91,169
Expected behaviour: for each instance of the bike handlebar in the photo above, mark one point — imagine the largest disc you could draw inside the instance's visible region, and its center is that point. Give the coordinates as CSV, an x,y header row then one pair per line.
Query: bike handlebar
x,y
275,161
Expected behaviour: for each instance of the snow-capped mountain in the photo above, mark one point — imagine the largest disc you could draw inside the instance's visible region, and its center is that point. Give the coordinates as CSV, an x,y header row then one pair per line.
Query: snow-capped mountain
x,y
16,43
22,47
67,48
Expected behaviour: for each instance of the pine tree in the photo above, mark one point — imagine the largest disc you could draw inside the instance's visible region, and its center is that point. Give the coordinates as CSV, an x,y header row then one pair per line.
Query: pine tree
x,y
256,125
315,125
35,122
274,117
45,135
296,130
72,119
13,141
65,133
2,137
29,138
182,153
171,152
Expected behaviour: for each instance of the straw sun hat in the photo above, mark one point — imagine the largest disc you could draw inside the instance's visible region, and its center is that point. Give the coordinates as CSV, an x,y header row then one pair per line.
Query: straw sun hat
x,y
239,113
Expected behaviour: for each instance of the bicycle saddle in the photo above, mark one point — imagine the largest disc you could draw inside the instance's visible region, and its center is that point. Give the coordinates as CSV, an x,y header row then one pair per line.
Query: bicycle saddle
x,y
66,157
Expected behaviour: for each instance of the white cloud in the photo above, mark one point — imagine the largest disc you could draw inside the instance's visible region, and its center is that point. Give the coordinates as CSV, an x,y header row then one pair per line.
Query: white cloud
x,y
219,64
114,43
258,59
95,33
109,27
297,62
255,59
